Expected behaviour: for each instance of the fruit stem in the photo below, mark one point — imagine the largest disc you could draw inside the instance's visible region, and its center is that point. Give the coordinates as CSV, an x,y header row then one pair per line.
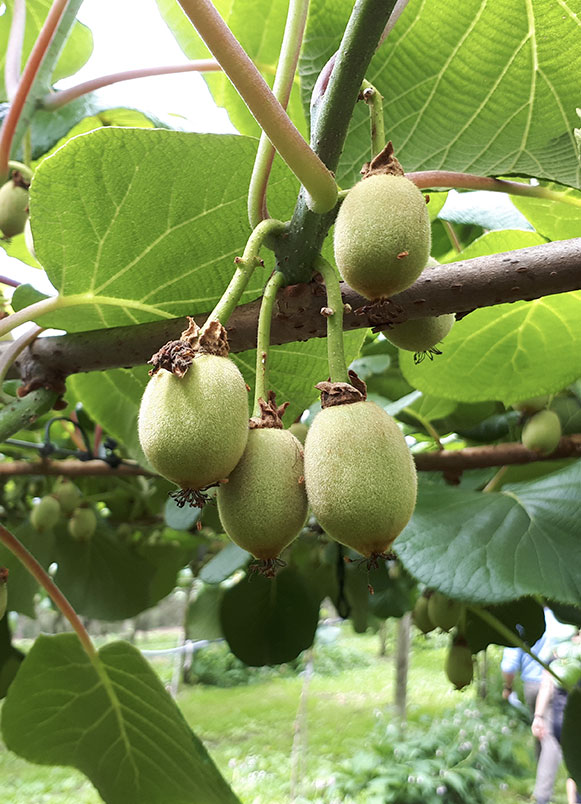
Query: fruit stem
x,y
283,83
16,347
495,482
513,639
21,168
39,574
266,109
452,236
374,100
444,179
338,371
14,48
54,100
430,429
245,266
261,387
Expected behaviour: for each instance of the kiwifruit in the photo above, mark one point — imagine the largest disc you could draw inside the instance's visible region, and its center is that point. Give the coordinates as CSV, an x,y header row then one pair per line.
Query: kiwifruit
x,y
420,615
382,236
443,611
542,432
299,430
421,334
193,429
263,505
459,666
13,208
83,524
68,495
532,405
45,514
360,476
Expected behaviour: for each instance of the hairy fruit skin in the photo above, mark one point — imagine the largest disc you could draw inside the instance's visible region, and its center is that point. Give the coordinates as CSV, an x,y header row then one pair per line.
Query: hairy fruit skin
x,y
360,475
421,334
421,617
193,429
532,405
382,236
443,611
542,432
45,514
459,666
13,209
263,506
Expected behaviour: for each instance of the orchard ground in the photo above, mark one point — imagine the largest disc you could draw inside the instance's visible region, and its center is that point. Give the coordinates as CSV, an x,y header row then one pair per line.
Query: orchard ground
x,y
249,728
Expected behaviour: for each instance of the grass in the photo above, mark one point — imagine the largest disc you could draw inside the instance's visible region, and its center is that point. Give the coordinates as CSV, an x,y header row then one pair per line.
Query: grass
x,y
249,729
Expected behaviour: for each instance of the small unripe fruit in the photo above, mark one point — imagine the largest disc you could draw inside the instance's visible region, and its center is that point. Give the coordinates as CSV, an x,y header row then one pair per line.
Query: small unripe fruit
x,y
542,432
263,506
83,524
360,475
532,405
459,667
382,236
193,429
421,334
421,617
68,495
443,611
13,209
45,514
299,430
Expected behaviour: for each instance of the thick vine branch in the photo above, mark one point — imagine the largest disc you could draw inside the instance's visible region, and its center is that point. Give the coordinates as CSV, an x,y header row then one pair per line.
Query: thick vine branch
x,y
455,288
71,468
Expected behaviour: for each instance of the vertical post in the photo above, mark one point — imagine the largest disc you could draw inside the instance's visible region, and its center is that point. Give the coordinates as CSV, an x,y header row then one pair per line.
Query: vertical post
x,y
402,664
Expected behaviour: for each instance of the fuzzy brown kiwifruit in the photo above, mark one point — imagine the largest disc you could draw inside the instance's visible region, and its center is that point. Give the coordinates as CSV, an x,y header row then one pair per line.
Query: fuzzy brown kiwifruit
x,y
382,236
193,429
360,475
13,208
263,506
542,432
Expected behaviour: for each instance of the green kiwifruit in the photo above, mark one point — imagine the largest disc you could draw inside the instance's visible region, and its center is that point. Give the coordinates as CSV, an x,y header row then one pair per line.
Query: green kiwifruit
x,y
360,475
45,514
13,209
443,611
421,334
68,495
382,236
542,432
193,429
459,666
83,524
532,405
299,430
263,505
420,615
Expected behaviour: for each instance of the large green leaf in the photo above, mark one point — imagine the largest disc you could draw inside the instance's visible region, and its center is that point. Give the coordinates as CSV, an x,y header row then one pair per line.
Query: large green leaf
x,y
133,225
10,658
486,86
259,27
22,586
552,219
496,547
75,53
112,719
524,617
507,352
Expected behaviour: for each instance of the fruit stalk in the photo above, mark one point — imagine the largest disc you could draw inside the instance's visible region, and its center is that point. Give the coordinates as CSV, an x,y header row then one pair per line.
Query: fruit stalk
x,y
283,82
263,340
39,574
334,314
374,101
245,266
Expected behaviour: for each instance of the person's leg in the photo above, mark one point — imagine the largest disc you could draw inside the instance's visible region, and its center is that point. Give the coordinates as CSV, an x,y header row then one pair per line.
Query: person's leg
x,y
573,796
549,757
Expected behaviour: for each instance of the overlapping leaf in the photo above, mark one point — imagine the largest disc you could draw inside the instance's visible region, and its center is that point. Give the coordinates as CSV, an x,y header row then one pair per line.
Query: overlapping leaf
x,y
112,719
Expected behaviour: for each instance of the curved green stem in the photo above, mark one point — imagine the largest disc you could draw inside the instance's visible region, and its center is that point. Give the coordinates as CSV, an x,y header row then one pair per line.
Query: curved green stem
x,y
20,413
245,266
334,313
426,424
513,638
261,386
496,481
21,168
374,100
283,82
268,112
9,356
445,179
14,48
39,574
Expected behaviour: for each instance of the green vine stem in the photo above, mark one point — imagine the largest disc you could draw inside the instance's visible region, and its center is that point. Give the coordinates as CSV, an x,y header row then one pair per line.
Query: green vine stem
x,y
54,100
14,48
245,266
261,386
20,413
39,574
428,426
268,112
9,356
283,82
374,101
445,179
496,481
513,638
36,73
338,371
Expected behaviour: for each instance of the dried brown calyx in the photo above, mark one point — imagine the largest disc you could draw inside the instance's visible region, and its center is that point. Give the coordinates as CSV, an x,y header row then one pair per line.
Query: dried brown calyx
x,y
342,393
4,572
270,414
268,567
384,163
177,356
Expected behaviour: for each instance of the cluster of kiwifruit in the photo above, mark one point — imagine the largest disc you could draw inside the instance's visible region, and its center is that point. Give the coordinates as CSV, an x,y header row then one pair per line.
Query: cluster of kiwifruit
x,y
65,500
13,205
542,427
434,610
355,472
